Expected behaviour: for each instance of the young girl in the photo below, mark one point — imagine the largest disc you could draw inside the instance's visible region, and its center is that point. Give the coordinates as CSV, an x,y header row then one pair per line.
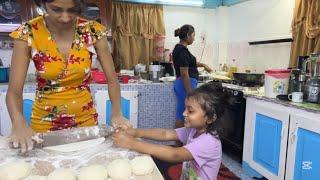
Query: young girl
x,y
201,153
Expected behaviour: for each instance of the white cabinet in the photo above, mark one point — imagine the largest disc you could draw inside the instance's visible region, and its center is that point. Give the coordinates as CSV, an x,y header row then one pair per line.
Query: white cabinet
x,y
129,106
281,142
265,139
303,159
5,121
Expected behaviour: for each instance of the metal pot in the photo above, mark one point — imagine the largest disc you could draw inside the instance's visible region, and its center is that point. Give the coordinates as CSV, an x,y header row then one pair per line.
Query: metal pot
x,y
4,74
249,79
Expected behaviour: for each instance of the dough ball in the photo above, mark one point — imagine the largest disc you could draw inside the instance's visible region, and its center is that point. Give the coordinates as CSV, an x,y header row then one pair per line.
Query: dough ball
x,y
93,172
64,174
36,177
15,170
42,168
119,169
142,165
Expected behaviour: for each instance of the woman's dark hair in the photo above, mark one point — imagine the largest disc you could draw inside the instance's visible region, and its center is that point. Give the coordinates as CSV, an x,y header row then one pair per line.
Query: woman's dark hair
x,y
80,3
184,31
213,101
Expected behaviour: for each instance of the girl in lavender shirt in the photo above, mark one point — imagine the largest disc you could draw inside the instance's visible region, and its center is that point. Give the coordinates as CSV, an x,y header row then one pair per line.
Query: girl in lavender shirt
x,y
201,152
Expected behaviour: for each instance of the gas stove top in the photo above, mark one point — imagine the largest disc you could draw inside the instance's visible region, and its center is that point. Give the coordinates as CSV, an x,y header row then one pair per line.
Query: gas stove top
x,y
232,87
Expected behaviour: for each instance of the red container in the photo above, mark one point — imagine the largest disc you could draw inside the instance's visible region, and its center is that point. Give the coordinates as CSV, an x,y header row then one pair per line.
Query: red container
x,y
125,79
99,77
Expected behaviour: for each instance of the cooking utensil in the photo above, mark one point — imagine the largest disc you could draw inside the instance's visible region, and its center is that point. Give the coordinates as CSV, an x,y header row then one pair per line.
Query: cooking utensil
x,y
73,135
249,79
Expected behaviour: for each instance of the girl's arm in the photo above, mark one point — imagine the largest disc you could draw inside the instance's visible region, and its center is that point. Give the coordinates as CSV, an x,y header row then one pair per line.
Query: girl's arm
x,y
165,153
155,134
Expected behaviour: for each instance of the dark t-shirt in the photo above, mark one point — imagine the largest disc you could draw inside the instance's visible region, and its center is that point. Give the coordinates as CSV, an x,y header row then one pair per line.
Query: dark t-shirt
x,y
183,58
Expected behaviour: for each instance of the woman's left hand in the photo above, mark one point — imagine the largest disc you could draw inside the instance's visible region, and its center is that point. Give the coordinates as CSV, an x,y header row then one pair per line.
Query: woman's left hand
x,y
122,139
120,122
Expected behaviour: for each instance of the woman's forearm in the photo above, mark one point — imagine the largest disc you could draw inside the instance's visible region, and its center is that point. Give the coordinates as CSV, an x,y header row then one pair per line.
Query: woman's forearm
x,y
115,97
14,105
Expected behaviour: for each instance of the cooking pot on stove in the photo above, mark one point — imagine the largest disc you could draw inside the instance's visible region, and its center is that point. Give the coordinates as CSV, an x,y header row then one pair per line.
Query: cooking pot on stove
x,y
4,74
249,79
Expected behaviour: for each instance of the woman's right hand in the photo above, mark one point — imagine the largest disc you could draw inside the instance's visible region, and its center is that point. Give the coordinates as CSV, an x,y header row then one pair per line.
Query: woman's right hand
x,y
21,137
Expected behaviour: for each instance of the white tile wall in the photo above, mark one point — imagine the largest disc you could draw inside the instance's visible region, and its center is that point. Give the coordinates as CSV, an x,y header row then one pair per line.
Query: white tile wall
x,y
5,55
256,58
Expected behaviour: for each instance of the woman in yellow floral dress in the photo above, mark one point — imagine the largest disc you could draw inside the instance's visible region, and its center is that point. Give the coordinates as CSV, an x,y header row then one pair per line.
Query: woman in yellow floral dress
x,y
61,46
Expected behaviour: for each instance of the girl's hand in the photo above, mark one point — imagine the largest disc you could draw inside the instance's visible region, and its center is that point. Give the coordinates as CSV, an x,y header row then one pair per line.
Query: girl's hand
x,y
123,140
119,122
132,132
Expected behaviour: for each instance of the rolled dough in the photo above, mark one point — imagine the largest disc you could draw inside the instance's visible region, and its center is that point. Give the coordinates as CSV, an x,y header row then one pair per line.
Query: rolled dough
x,y
76,146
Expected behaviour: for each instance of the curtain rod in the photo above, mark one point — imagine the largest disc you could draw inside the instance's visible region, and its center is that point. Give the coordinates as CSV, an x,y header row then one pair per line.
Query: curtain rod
x,y
272,41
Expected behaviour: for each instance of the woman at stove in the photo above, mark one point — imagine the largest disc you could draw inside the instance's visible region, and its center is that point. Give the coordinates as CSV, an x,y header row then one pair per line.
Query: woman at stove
x,y
185,65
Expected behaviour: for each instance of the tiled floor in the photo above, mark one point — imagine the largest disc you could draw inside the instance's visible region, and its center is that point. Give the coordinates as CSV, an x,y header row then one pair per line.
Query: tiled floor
x,y
235,167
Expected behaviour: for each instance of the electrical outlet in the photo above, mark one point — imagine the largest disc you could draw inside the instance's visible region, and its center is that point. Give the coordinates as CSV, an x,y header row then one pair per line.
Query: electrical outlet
x,y
203,36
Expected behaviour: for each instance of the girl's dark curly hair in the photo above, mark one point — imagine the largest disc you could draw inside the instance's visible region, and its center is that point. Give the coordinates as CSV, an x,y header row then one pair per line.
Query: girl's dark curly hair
x,y
213,102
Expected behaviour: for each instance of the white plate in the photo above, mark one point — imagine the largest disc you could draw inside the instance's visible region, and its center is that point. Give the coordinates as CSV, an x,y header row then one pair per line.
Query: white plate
x,y
168,79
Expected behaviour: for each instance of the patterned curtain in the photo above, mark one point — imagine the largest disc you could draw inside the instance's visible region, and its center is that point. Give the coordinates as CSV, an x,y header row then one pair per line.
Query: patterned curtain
x,y
134,28
305,29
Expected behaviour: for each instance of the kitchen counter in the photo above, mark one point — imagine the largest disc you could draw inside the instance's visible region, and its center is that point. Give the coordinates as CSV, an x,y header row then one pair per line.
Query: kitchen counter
x,y
309,107
102,154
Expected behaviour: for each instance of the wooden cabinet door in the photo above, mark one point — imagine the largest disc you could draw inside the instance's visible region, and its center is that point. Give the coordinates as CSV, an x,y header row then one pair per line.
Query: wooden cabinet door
x,y
12,14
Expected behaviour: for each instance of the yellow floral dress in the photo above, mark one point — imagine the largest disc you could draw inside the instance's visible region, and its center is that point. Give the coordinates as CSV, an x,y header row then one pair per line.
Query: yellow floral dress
x,y
63,99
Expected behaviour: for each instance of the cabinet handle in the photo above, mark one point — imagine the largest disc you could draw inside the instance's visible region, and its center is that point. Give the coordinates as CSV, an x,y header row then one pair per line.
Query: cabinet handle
x,y
293,137
282,131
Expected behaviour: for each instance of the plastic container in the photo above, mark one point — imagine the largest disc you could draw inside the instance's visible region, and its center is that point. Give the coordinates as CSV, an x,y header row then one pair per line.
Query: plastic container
x,y
98,77
276,82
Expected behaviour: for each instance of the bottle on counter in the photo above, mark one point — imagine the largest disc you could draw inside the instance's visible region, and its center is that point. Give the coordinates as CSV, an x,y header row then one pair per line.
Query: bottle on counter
x,y
225,67
232,69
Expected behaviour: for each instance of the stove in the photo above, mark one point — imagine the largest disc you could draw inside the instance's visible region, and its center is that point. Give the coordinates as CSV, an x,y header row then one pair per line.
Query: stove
x,y
231,125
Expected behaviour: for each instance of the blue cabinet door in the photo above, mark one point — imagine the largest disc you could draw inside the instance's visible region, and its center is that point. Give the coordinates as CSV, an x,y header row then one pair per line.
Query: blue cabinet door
x,y
307,158
27,109
267,142
125,108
